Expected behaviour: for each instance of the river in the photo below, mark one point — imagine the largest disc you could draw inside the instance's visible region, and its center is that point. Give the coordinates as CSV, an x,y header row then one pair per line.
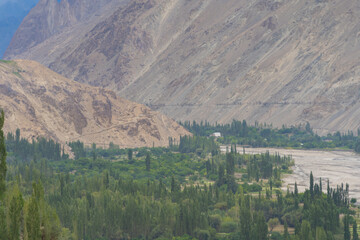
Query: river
x,y
337,166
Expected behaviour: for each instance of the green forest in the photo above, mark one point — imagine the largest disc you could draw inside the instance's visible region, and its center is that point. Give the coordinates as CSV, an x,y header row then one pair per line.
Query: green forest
x,y
264,135
189,190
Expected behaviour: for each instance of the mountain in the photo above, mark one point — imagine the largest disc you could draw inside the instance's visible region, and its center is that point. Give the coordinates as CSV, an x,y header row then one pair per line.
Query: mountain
x,y
50,17
11,15
274,61
41,102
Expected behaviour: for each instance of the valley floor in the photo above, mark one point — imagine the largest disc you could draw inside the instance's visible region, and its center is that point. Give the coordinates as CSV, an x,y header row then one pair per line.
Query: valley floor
x,y
337,166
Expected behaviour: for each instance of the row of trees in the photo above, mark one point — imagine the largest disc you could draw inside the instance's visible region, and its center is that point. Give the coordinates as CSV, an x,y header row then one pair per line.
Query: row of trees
x,y
24,218
152,194
37,149
262,135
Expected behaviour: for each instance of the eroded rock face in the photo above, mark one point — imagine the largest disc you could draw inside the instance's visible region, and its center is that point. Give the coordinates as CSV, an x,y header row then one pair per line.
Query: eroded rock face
x,y
40,102
274,61
50,17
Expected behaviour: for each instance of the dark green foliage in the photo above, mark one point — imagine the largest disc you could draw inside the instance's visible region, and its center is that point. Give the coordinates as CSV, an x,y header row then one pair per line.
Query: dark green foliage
x,y
3,154
93,151
357,146
78,149
199,145
355,233
320,234
230,164
306,233
3,227
245,217
162,194
311,184
263,135
346,221
15,215
286,235
130,155
147,162
259,229
26,151
33,219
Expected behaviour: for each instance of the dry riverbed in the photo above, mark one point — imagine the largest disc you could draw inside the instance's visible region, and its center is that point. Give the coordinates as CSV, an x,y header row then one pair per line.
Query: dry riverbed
x,y
337,166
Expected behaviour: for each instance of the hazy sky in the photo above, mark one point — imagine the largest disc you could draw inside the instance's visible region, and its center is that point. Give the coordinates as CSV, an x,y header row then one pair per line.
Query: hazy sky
x,y
11,16
4,1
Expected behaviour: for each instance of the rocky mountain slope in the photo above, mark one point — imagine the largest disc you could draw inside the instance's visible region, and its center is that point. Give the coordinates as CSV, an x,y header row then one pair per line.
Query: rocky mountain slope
x,y
41,102
50,17
274,61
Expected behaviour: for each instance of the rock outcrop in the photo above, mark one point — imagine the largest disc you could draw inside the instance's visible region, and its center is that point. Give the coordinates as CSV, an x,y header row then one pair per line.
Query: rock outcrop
x,y
41,102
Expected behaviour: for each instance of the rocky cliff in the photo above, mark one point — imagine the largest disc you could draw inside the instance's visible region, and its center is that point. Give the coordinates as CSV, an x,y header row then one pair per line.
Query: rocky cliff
x,y
41,102
275,61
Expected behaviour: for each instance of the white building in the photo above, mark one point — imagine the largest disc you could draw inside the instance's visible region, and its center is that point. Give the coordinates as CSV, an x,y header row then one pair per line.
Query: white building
x,y
216,134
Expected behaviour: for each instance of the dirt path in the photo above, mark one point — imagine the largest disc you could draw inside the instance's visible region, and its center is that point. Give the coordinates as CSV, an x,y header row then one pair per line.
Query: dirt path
x,y
337,166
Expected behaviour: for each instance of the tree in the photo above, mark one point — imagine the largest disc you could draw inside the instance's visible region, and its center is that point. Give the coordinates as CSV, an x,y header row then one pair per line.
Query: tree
x,y
245,217
130,155
15,210
3,227
320,233
273,222
306,231
346,228
33,219
286,231
311,184
106,179
2,157
147,161
3,169
308,128
93,151
230,164
221,174
355,234
259,228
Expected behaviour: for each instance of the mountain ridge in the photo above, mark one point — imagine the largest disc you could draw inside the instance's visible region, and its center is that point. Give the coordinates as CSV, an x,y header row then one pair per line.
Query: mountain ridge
x,y
42,103
274,61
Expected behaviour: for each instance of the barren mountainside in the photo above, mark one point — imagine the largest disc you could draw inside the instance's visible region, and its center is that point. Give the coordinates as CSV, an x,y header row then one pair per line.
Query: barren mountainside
x,y
274,61
41,102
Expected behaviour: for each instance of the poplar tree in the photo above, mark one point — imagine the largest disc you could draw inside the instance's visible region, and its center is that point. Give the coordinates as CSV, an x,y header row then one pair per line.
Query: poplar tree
x,y
230,164
320,233
311,184
245,217
346,228
130,155
2,157
15,214
93,151
306,231
355,234
286,235
33,219
147,162
3,227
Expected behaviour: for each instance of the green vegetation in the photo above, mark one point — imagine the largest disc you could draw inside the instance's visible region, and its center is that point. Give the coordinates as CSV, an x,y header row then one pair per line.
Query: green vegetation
x,y
262,135
5,61
186,191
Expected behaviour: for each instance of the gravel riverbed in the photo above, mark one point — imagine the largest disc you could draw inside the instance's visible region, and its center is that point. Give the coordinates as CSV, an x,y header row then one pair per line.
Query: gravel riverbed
x,y
337,166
